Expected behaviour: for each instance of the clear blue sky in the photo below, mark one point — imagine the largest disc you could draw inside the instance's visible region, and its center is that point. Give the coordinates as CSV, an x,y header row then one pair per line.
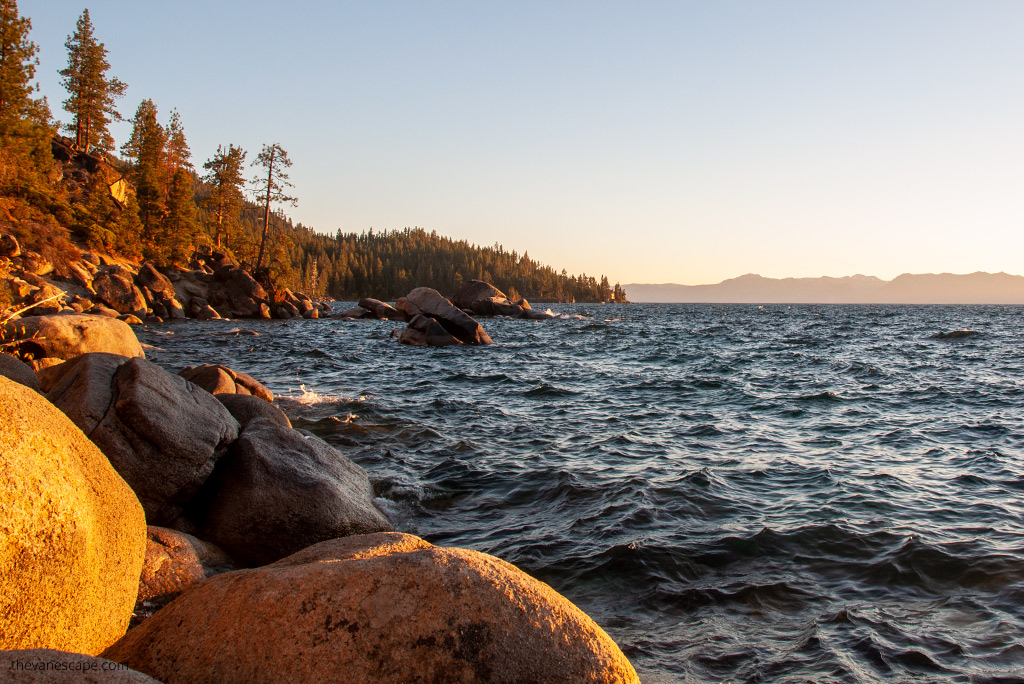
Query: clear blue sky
x,y
674,141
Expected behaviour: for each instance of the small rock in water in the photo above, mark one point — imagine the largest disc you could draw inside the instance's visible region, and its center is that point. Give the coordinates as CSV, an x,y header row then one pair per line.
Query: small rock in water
x,y
956,335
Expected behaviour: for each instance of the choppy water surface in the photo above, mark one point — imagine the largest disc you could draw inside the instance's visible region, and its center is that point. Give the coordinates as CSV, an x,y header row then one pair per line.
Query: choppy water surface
x,y
735,493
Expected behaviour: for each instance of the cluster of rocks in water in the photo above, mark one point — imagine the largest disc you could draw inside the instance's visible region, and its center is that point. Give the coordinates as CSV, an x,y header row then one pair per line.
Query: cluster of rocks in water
x,y
216,288
179,525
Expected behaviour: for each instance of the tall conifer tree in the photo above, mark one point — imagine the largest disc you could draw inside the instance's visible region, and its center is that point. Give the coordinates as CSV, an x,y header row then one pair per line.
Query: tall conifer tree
x,y
224,174
17,63
92,93
271,185
145,150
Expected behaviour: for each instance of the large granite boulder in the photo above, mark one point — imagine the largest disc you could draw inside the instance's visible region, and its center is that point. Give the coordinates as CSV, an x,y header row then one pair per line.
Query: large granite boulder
x,y
17,370
174,562
120,294
381,309
374,608
68,335
278,491
247,408
484,299
73,533
473,291
156,282
222,380
162,433
430,302
425,331
47,666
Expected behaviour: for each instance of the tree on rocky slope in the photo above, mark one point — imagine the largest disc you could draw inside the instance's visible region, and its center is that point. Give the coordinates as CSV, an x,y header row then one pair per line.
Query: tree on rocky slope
x,y
92,92
17,64
25,158
145,152
271,185
224,174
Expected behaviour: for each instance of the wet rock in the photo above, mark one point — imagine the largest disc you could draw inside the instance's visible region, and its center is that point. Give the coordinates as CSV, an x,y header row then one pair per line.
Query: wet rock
x,y
246,408
956,335
356,313
380,608
431,303
69,335
473,291
130,319
48,666
381,309
425,331
278,491
73,532
223,380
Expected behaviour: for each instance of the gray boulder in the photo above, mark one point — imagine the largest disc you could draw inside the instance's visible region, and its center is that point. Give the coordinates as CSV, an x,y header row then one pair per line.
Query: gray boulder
x,y
425,331
430,302
156,282
277,492
473,291
161,433
381,309
17,370
246,408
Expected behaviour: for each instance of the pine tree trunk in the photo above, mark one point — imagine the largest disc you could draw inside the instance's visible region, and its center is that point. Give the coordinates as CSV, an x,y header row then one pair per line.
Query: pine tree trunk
x,y
266,214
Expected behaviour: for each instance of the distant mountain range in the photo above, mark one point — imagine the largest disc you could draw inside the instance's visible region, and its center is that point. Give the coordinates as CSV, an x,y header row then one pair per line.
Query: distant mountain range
x,y
929,288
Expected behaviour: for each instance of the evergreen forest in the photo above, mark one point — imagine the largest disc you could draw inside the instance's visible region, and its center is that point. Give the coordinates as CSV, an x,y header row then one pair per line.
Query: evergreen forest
x,y
67,186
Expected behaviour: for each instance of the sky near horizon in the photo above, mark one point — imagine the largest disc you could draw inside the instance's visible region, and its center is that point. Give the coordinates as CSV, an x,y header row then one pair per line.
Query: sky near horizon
x,y
652,142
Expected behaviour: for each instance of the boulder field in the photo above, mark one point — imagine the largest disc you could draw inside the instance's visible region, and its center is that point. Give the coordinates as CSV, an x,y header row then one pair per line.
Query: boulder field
x,y
105,443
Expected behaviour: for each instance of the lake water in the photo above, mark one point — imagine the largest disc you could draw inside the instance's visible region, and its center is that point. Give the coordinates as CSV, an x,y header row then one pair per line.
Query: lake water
x,y
733,492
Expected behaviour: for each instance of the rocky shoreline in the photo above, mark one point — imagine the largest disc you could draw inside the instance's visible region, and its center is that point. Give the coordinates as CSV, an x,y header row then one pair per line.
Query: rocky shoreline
x,y
178,524
216,288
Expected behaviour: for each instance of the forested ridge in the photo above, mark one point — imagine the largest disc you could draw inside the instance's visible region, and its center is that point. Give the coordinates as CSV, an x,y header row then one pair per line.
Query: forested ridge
x,y
146,199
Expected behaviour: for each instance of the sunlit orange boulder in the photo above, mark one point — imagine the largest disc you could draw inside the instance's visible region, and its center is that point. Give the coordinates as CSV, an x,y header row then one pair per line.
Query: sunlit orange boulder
x,y
375,608
72,533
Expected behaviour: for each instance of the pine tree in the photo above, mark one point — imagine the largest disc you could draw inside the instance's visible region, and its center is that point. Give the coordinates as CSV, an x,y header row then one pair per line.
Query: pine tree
x,y
225,177
18,64
271,185
178,154
179,225
92,93
145,150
